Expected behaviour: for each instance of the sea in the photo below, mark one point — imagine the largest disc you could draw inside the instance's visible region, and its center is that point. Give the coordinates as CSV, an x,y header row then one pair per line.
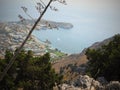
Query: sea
x,y
91,23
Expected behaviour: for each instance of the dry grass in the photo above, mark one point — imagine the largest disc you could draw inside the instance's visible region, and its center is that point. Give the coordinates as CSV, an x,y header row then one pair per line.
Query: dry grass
x,y
72,59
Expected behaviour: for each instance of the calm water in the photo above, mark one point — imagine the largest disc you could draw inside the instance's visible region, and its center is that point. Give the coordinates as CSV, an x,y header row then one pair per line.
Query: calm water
x,y
74,40
92,22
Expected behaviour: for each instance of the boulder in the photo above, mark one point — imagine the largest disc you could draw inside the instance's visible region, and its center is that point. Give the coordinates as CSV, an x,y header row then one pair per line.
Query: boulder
x,y
86,82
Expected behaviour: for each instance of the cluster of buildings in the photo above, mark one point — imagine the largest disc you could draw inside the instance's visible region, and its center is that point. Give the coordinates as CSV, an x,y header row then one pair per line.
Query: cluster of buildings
x,y
12,35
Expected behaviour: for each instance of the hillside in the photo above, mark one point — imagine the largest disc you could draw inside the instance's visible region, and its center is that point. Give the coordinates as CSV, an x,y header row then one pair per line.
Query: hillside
x,y
78,59
73,68
97,45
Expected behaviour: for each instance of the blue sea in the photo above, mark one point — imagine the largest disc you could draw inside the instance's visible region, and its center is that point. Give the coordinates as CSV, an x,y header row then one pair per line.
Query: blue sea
x,y
92,22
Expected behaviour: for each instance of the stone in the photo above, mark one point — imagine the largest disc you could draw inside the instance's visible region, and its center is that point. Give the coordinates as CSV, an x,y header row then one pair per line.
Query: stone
x,y
113,85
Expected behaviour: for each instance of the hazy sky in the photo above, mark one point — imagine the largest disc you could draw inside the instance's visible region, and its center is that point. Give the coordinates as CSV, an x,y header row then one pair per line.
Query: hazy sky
x,y
95,12
97,7
104,13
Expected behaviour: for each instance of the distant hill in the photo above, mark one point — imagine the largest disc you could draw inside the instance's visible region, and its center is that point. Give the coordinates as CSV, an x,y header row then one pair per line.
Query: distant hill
x,y
45,24
97,45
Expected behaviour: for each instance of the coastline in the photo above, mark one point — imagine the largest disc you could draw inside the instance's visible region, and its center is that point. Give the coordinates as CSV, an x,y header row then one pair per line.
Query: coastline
x,y
12,35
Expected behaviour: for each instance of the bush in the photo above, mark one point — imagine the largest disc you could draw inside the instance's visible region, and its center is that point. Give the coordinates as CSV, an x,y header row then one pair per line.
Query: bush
x,y
105,61
29,72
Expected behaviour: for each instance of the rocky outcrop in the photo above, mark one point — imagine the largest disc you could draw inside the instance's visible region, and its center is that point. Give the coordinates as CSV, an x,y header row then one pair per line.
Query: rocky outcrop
x,y
84,82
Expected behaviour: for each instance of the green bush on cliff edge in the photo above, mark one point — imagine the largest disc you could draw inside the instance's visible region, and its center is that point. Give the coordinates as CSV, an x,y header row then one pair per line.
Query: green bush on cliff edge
x,y
105,61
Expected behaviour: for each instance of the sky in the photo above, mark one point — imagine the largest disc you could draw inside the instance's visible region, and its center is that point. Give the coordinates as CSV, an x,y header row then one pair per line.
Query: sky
x,y
80,7
95,12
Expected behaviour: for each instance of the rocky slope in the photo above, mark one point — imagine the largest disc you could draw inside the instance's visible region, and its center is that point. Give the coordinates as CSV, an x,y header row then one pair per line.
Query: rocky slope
x,y
77,59
84,82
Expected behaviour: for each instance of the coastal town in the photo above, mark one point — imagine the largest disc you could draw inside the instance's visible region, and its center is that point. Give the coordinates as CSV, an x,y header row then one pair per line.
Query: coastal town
x,y
12,34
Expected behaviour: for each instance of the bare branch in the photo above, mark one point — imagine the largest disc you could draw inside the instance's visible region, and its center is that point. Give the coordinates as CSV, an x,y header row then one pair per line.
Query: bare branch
x,y
25,10
43,3
62,1
53,8
21,18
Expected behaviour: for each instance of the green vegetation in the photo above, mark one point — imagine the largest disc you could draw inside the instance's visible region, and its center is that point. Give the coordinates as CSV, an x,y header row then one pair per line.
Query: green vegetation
x,y
28,72
105,61
57,53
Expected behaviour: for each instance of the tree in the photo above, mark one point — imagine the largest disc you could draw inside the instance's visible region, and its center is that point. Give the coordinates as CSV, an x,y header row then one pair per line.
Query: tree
x,y
106,60
8,81
29,73
42,8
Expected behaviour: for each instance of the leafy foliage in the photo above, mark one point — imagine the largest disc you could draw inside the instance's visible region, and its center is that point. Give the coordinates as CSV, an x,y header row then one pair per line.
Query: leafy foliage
x,y
106,60
28,72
